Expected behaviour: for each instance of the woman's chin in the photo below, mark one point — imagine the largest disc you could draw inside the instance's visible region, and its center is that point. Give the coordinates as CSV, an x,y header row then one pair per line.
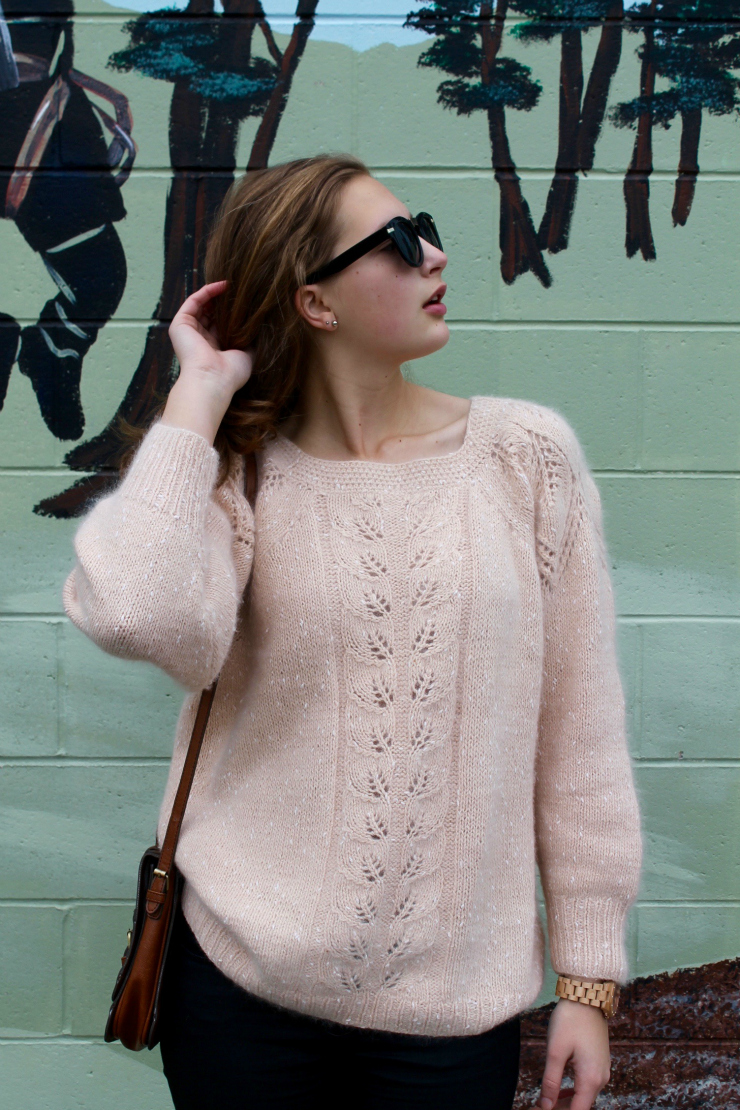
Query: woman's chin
x,y
437,338
420,345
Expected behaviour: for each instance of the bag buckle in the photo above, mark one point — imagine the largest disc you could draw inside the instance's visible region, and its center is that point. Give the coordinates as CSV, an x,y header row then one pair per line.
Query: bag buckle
x,y
163,875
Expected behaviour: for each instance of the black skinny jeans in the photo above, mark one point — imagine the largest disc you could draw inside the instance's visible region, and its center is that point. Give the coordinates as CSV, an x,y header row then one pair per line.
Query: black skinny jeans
x,y
225,1049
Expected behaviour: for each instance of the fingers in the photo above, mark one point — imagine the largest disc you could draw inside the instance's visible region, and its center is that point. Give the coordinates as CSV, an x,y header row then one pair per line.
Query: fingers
x,y
588,1084
203,295
197,301
551,1081
563,1102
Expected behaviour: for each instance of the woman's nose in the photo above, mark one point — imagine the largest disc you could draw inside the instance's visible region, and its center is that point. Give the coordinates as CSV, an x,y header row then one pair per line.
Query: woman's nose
x,y
434,258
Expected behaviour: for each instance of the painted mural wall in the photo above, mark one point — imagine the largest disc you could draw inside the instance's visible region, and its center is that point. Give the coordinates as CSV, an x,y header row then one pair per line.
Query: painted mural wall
x,y
582,160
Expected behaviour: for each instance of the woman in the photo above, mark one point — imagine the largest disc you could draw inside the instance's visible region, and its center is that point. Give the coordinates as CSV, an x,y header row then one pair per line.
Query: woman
x,y
418,698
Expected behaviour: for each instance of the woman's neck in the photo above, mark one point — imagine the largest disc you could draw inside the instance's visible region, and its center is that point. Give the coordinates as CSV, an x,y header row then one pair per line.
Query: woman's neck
x,y
398,421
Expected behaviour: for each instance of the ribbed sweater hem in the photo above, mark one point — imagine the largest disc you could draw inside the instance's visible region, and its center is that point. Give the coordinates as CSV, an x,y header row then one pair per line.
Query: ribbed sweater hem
x,y
174,471
586,937
392,1013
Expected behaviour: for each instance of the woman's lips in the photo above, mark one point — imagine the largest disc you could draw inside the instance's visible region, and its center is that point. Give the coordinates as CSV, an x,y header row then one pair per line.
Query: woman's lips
x,y
437,308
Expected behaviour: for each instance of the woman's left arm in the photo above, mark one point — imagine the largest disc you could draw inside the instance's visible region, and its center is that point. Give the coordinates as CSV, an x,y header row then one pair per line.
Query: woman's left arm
x,y
587,818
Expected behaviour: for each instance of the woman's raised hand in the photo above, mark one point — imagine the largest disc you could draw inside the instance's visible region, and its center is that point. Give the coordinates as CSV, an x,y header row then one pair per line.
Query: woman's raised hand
x,y
209,377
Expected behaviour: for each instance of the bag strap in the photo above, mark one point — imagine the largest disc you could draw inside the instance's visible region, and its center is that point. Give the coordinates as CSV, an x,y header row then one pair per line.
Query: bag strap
x,y
157,892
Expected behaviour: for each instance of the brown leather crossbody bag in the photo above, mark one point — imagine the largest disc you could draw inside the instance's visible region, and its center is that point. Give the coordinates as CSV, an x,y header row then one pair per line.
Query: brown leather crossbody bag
x,y
135,1010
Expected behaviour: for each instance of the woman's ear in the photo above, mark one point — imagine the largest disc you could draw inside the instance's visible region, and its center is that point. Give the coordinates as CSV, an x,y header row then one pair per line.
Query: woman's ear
x,y
312,306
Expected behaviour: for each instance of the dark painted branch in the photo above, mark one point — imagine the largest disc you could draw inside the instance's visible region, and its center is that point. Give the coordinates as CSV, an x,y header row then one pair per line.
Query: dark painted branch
x,y
580,123
520,250
491,36
688,166
605,66
267,129
555,225
275,51
639,233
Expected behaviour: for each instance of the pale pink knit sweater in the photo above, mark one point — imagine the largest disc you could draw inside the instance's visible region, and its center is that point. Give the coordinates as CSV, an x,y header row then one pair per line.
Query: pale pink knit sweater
x,y
419,700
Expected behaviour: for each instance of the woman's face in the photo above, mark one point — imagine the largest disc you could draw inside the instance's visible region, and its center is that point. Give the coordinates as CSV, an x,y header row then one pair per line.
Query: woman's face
x,y
379,300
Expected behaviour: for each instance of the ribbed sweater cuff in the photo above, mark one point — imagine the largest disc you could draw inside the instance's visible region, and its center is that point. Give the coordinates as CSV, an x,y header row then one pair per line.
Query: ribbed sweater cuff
x,y
174,470
587,938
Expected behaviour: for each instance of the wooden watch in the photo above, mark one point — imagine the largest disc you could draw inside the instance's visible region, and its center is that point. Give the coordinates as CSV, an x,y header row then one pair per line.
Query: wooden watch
x,y
591,992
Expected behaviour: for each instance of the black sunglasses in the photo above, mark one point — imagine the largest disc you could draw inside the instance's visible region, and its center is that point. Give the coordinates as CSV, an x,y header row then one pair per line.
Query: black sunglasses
x,y
405,234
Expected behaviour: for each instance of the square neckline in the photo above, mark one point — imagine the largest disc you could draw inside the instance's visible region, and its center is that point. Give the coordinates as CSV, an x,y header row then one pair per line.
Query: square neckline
x,y
314,460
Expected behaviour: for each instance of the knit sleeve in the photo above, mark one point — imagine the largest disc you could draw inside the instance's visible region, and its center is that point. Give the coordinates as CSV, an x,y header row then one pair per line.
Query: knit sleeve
x,y
162,561
587,818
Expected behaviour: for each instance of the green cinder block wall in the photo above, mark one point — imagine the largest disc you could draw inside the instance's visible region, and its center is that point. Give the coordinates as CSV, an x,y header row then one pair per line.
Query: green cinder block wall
x,y
642,357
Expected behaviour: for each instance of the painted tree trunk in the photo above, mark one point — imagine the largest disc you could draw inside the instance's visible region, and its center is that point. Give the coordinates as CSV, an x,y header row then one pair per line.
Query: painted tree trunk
x,y
639,233
688,166
606,63
267,129
520,250
555,226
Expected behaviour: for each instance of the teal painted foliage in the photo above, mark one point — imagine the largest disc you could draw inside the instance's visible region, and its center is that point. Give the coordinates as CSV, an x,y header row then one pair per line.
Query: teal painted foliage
x,y
479,81
695,58
467,46
692,47
167,47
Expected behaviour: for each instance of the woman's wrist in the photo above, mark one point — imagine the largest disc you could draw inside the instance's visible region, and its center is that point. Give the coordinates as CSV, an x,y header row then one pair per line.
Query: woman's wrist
x,y
196,403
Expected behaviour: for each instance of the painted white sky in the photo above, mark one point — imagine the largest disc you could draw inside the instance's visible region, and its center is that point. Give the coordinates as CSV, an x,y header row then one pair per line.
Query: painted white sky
x,y
360,24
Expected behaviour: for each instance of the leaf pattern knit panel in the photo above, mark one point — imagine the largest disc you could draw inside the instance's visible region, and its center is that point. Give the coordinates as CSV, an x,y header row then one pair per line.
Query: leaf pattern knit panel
x,y
434,571
398,740
358,548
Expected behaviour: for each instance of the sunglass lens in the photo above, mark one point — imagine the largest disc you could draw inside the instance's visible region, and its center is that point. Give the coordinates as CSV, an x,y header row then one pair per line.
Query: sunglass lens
x,y
407,242
428,230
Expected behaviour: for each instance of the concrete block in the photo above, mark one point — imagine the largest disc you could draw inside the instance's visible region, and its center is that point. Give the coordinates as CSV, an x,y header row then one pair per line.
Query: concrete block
x,y
320,114
108,367
691,690
28,688
673,544
400,123
36,554
669,937
594,280
629,648
468,364
94,941
691,400
591,377
141,236
691,826
77,1076
76,831
30,971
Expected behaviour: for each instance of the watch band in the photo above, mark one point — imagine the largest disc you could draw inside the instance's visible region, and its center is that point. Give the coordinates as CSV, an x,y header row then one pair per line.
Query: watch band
x,y
591,992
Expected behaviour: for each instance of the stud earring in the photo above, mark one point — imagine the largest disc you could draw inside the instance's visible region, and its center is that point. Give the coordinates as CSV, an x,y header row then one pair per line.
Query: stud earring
x,y
331,323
